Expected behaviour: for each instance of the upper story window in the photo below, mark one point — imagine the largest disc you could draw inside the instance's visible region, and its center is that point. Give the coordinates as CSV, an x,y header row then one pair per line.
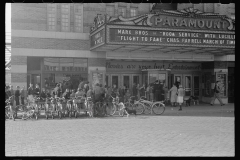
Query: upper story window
x,y
110,10
78,22
65,8
52,7
65,22
78,18
78,9
51,16
133,12
122,11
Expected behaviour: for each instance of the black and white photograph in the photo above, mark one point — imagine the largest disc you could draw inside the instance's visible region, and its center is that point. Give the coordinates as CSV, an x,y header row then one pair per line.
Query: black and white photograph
x,y
119,79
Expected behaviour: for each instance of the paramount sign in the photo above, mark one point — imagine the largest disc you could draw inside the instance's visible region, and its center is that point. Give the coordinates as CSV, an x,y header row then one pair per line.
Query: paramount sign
x,y
188,27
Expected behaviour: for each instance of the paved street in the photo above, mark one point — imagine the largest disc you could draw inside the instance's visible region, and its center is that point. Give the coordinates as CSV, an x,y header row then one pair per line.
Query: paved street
x,y
196,131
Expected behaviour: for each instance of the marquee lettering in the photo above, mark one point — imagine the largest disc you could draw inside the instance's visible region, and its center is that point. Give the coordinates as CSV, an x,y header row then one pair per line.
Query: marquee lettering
x,y
190,23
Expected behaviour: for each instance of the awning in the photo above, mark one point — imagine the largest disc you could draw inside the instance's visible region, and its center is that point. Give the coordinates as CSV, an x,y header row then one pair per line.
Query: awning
x,y
173,32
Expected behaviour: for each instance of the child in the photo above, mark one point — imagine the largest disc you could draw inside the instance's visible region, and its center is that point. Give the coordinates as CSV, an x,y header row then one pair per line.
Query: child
x,y
180,93
127,96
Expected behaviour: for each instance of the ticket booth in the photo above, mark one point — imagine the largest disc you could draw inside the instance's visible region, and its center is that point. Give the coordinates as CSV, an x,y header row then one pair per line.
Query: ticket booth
x,y
149,76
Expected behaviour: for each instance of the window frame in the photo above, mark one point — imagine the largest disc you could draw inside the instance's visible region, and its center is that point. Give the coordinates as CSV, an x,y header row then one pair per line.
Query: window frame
x,y
131,9
51,20
120,13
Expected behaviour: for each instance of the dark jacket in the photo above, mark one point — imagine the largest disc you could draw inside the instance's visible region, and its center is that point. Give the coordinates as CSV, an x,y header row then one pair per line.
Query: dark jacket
x,y
142,91
134,90
43,95
66,95
37,91
30,91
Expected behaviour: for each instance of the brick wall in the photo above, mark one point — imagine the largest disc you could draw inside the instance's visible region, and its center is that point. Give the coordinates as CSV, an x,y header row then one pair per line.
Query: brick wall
x,y
29,16
97,62
19,60
18,77
50,43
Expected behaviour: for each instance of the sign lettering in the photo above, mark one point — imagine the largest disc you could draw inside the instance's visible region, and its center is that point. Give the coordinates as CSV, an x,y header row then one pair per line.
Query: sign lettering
x,y
117,65
97,39
171,37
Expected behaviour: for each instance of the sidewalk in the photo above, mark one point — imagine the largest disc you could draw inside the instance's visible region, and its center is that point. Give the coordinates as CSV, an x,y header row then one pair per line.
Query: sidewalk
x,y
202,109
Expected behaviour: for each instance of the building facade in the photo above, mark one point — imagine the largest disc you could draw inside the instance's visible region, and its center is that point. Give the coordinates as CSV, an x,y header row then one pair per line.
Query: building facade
x,y
52,43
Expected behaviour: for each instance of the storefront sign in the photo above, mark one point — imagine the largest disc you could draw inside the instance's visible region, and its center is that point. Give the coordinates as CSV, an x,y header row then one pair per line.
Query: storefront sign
x,y
121,65
161,37
97,39
164,21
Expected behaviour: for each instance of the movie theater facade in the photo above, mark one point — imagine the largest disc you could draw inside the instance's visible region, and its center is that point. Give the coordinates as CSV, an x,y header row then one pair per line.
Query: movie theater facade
x,y
189,46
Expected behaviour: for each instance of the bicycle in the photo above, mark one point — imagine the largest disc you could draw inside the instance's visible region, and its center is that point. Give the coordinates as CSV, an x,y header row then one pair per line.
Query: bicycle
x,y
9,109
118,107
59,108
89,106
79,105
99,109
70,107
51,107
31,109
134,105
150,106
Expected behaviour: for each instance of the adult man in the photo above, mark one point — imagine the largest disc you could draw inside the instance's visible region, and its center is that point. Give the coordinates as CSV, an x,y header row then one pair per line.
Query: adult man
x,y
134,90
37,90
98,93
23,94
217,90
30,92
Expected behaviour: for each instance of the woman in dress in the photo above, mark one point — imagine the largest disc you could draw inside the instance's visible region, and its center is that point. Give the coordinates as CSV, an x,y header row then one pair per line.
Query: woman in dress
x,y
180,96
173,97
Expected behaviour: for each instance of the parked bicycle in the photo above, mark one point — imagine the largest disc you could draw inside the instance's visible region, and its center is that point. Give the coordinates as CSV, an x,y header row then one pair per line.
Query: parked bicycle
x,y
157,107
118,107
31,109
9,109
79,106
89,106
133,104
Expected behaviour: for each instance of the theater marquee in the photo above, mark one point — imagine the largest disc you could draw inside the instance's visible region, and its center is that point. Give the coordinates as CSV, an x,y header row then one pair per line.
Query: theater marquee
x,y
150,36
188,27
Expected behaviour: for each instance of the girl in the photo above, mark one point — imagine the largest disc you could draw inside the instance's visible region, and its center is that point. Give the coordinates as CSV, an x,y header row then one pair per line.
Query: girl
x,y
180,96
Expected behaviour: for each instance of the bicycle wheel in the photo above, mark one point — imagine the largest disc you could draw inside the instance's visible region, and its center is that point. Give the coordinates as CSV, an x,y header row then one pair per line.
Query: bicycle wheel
x,y
147,108
7,113
112,109
139,107
109,109
100,108
158,108
128,105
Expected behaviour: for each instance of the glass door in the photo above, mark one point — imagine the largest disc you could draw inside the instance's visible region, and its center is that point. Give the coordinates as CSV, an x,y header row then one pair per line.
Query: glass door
x,y
136,79
178,78
188,85
126,81
153,77
36,79
115,80
196,86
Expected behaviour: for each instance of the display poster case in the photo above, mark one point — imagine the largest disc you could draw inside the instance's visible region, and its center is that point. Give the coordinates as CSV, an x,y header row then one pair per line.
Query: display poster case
x,y
222,77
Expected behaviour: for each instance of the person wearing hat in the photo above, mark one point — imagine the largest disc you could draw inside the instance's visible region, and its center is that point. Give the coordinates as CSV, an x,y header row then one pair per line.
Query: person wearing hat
x,y
217,90
180,96
30,92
